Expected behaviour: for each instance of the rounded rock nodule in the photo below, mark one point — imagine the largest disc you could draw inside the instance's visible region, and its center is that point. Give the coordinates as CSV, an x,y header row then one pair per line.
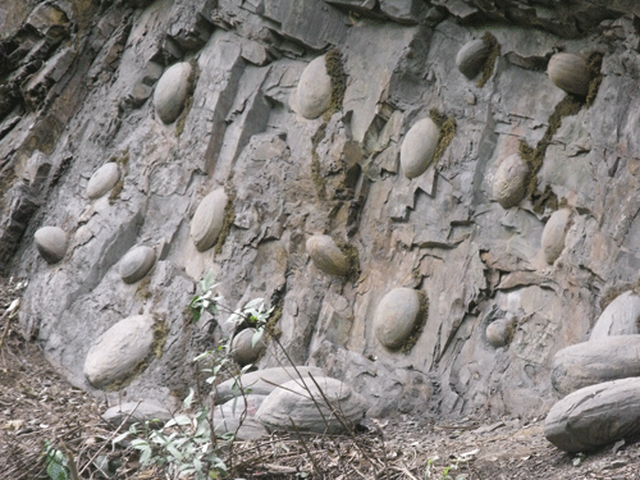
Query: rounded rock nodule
x,y
471,57
313,93
327,255
554,234
119,350
509,186
570,72
208,220
499,332
418,147
103,180
396,316
621,317
136,263
51,243
172,91
242,349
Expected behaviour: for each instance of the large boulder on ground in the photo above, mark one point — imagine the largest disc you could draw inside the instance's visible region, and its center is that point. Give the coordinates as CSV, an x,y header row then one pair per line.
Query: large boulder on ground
x,y
263,382
595,416
325,405
621,317
119,351
143,411
237,416
592,362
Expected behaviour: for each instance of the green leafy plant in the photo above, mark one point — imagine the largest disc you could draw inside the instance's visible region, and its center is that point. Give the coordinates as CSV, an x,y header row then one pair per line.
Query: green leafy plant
x,y
205,300
56,463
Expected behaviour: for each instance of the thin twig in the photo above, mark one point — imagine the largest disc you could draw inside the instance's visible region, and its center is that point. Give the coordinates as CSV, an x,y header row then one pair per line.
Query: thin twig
x,y
306,449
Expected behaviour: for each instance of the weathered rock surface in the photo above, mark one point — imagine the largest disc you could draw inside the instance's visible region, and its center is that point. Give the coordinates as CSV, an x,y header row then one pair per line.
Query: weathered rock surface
x,y
595,416
76,92
621,317
119,350
595,361
324,406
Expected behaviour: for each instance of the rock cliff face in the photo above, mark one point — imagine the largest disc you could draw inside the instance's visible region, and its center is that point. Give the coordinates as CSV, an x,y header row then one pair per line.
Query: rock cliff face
x,y
80,87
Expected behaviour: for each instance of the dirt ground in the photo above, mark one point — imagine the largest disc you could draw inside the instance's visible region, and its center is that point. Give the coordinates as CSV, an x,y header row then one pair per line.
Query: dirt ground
x,y
38,407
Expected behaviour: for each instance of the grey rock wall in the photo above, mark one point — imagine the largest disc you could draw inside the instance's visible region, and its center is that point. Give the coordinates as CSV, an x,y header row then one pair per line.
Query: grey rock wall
x,y
77,93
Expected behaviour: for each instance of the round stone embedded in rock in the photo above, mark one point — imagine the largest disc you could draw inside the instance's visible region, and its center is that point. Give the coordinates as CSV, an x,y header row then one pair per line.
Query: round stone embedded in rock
x,y
136,263
418,147
621,317
396,316
327,256
172,91
103,180
307,409
120,349
569,72
313,94
595,416
51,243
588,363
554,233
509,186
242,349
471,58
208,220
499,332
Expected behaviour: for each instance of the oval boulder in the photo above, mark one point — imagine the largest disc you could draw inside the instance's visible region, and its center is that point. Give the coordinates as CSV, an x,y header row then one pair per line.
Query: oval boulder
x,y
621,317
396,316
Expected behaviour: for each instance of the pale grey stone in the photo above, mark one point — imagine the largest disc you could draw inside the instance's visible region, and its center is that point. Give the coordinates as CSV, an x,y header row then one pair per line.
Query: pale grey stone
x,y
554,233
136,263
569,72
207,222
621,317
325,405
51,243
509,184
172,90
499,332
237,416
471,58
418,147
103,180
312,96
119,350
396,316
242,349
129,413
326,255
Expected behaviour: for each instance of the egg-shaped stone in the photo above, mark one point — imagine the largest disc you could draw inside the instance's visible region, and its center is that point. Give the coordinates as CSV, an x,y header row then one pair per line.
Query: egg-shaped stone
x,y
307,408
172,91
621,317
119,350
471,58
103,180
499,332
509,185
313,94
569,72
396,316
554,233
418,147
136,263
208,220
51,243
327,256
243,351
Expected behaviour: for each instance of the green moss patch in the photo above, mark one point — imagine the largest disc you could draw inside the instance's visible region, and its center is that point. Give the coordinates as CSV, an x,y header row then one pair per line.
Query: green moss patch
x,y
316,174
423,314
448,130
335,70
229,217
489,63
142,290
351,252
122,162
594,62
182,119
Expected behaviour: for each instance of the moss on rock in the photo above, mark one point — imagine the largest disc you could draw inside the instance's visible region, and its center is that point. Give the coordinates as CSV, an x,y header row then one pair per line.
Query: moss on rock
x,y
489,64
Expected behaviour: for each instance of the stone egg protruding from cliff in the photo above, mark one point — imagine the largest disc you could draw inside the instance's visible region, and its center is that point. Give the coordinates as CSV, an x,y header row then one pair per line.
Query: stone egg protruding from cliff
x,y
499,332
570,72
418,147
136,263
327,255
103,180
472,57
554,234
396,316
208,220
119,351
243,351
51,243
172,91
312,96
509,185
